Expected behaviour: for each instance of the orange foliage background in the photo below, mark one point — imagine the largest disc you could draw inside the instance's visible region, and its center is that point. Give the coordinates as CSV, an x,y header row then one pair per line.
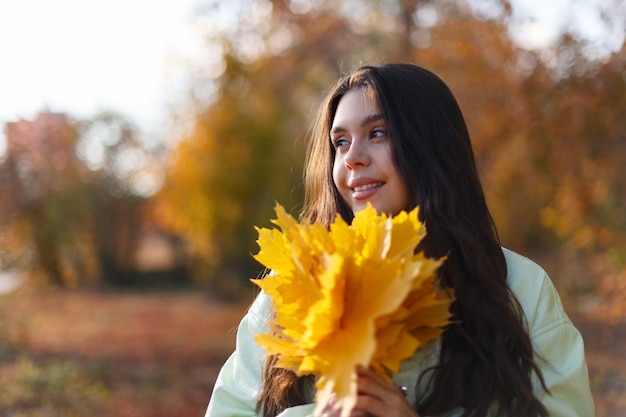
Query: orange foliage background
x,y
548,128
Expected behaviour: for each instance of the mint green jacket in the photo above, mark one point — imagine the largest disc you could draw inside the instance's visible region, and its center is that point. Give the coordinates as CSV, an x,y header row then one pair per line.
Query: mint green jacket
x,y
553,337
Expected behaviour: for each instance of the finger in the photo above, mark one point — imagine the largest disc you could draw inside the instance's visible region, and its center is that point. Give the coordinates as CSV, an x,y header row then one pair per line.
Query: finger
x,y
336,412
379,397
368,372
391,407
371,384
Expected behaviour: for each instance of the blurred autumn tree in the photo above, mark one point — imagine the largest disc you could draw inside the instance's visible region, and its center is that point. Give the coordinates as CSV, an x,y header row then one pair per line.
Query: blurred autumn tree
x,y
70,212
547,125
41,199
578,138
245,150
225,176
122,174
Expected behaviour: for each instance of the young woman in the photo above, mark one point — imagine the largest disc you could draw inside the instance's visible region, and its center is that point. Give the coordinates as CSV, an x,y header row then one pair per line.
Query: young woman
x,y
394,136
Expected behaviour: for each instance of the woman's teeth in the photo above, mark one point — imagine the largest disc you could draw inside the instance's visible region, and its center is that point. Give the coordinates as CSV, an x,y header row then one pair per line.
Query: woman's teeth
x,y
368,186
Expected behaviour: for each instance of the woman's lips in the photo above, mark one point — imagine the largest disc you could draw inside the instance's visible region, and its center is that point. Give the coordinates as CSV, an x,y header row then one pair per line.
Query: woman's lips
x,y
365,191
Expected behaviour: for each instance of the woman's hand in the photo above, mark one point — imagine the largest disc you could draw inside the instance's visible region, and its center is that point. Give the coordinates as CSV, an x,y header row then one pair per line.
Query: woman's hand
x,y
376,397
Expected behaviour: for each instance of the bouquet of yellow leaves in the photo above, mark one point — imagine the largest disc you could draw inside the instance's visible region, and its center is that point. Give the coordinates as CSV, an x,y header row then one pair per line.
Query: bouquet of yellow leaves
x,y
353,295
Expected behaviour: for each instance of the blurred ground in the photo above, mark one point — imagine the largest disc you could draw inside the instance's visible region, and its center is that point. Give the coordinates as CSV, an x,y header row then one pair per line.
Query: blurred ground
x,y
81,353
84,353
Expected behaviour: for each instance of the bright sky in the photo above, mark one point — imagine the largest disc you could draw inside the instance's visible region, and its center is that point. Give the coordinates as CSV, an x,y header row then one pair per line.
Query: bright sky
x,y
83,56
547,19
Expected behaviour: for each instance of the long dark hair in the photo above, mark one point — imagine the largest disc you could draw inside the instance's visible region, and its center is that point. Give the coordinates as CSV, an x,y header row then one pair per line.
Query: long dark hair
x,y
486,355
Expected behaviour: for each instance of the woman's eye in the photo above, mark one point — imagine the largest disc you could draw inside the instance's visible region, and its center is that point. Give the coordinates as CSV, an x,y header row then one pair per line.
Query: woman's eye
x,y
339,142
379,133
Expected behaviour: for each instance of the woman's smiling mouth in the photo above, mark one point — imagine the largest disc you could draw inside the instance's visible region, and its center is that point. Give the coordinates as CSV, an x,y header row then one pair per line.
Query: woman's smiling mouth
x,y
368,186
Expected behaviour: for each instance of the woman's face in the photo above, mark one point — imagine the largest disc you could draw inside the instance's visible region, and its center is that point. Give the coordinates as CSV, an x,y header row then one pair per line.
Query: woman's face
x,y
363,168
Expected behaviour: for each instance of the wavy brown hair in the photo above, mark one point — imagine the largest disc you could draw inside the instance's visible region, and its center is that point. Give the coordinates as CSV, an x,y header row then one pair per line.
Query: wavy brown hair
x,y
486,357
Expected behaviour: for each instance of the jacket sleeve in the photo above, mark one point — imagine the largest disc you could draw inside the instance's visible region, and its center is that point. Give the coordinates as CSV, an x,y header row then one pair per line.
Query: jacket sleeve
x,y
565,372
561,356
239,381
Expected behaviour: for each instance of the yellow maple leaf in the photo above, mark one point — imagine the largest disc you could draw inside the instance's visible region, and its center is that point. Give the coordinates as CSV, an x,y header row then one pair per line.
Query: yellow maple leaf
x,y
349,295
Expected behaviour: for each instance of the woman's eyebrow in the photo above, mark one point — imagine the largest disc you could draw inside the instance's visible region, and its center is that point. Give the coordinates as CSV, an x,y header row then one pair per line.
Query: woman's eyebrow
x,y
372,118
369,119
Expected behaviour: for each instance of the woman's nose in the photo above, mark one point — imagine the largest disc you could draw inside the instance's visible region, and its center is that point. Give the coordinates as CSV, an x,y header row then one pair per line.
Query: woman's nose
x,y
357,155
